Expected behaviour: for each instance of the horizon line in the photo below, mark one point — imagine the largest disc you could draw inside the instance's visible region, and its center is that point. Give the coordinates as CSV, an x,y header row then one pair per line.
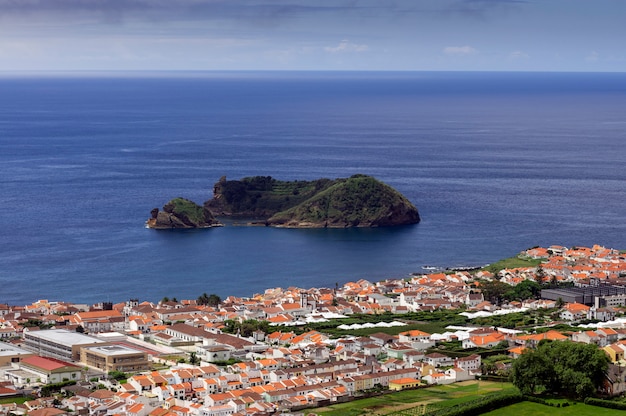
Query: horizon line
x,y
137,72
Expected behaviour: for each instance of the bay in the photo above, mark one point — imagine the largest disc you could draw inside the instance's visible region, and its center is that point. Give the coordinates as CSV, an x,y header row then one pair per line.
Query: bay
x,y
495,163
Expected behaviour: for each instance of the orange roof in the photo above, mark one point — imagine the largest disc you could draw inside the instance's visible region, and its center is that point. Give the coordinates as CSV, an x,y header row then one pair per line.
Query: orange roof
x,y
49,364
279,319
489,339
415,333
577,307
290,306
98,314
405,380
517,350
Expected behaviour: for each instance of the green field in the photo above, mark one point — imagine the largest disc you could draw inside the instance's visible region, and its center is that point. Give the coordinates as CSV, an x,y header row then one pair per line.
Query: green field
x,y
513,263
433,397
536,409
18,400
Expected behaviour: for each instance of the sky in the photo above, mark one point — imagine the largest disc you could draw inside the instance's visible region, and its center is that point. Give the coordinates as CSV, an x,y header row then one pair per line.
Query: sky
x,y
367,35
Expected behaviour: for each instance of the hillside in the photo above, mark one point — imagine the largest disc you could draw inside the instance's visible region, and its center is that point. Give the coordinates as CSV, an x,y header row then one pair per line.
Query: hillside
x,y
358,201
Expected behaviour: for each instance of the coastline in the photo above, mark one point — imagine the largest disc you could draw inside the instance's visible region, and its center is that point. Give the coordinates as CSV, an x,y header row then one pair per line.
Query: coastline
x,y
464,273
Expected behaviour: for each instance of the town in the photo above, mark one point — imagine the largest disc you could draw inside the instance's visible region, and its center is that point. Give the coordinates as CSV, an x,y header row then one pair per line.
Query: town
x,y
290,349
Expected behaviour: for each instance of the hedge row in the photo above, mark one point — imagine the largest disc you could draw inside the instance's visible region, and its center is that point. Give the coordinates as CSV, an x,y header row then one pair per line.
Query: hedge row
x,y
609,404
540,400
50,388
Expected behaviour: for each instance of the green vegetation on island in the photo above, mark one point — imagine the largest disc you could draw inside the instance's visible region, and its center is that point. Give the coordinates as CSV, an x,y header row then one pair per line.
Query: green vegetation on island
x,y
358,201
181,213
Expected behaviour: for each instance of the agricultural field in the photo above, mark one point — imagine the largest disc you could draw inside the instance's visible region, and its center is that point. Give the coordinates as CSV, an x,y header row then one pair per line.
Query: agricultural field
x,y
415,402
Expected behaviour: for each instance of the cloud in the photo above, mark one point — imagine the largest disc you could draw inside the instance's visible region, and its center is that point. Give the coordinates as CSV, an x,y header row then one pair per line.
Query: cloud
x,y
516,55
459,50
346,46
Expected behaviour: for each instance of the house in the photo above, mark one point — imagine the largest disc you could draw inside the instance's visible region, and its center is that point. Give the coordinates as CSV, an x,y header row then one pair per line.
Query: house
x,y
616,351
472,300
100,321
438,360
419,340
438,378
614,383
459,374
601,314
589,337
403,383
399,350
469,363
531,341
516,352
484,341
213,353
574,312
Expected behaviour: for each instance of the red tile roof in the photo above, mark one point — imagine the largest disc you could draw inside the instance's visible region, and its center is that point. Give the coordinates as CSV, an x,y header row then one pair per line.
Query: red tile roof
x,y
49,364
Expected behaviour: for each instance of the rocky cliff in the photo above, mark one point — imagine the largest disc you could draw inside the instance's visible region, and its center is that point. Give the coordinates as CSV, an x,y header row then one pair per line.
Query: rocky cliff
x,y
181,213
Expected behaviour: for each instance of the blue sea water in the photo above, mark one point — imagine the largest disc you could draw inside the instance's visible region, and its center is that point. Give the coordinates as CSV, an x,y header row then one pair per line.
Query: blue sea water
x,y
495,163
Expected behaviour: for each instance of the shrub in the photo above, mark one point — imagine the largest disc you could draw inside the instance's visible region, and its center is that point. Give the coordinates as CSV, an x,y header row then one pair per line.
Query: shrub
x,y
609,404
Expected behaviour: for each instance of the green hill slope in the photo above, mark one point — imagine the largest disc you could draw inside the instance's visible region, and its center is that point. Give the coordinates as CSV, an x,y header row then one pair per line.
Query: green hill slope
x,y
358,201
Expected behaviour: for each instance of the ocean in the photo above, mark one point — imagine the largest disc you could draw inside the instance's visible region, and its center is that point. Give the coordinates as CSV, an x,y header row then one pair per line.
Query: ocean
x,y
495,162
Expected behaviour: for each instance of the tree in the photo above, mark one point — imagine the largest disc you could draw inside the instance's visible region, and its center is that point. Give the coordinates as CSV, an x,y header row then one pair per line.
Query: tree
x,y
494,290
118,375
540,274
528,289
563,367
193,358
531,371
210,300
245,328
559,303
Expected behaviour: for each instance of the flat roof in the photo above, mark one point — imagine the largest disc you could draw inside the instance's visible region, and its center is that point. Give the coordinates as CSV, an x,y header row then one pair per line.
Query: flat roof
x,y
10,349
65,337
111,350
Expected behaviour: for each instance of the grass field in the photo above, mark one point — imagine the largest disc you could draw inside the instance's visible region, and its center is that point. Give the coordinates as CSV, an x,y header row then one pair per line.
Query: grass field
x,y
18,400
536,409
512,263
432,397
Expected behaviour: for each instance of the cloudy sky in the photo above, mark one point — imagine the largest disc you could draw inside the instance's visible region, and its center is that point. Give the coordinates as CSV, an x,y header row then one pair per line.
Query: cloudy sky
x,y
518,35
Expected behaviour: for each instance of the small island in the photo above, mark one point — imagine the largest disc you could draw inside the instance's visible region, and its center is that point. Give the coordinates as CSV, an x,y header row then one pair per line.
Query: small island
x,y
357,201
181,213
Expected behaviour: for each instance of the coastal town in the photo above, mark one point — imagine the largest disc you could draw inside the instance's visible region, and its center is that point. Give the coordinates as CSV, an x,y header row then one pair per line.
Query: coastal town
x,y
290,349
